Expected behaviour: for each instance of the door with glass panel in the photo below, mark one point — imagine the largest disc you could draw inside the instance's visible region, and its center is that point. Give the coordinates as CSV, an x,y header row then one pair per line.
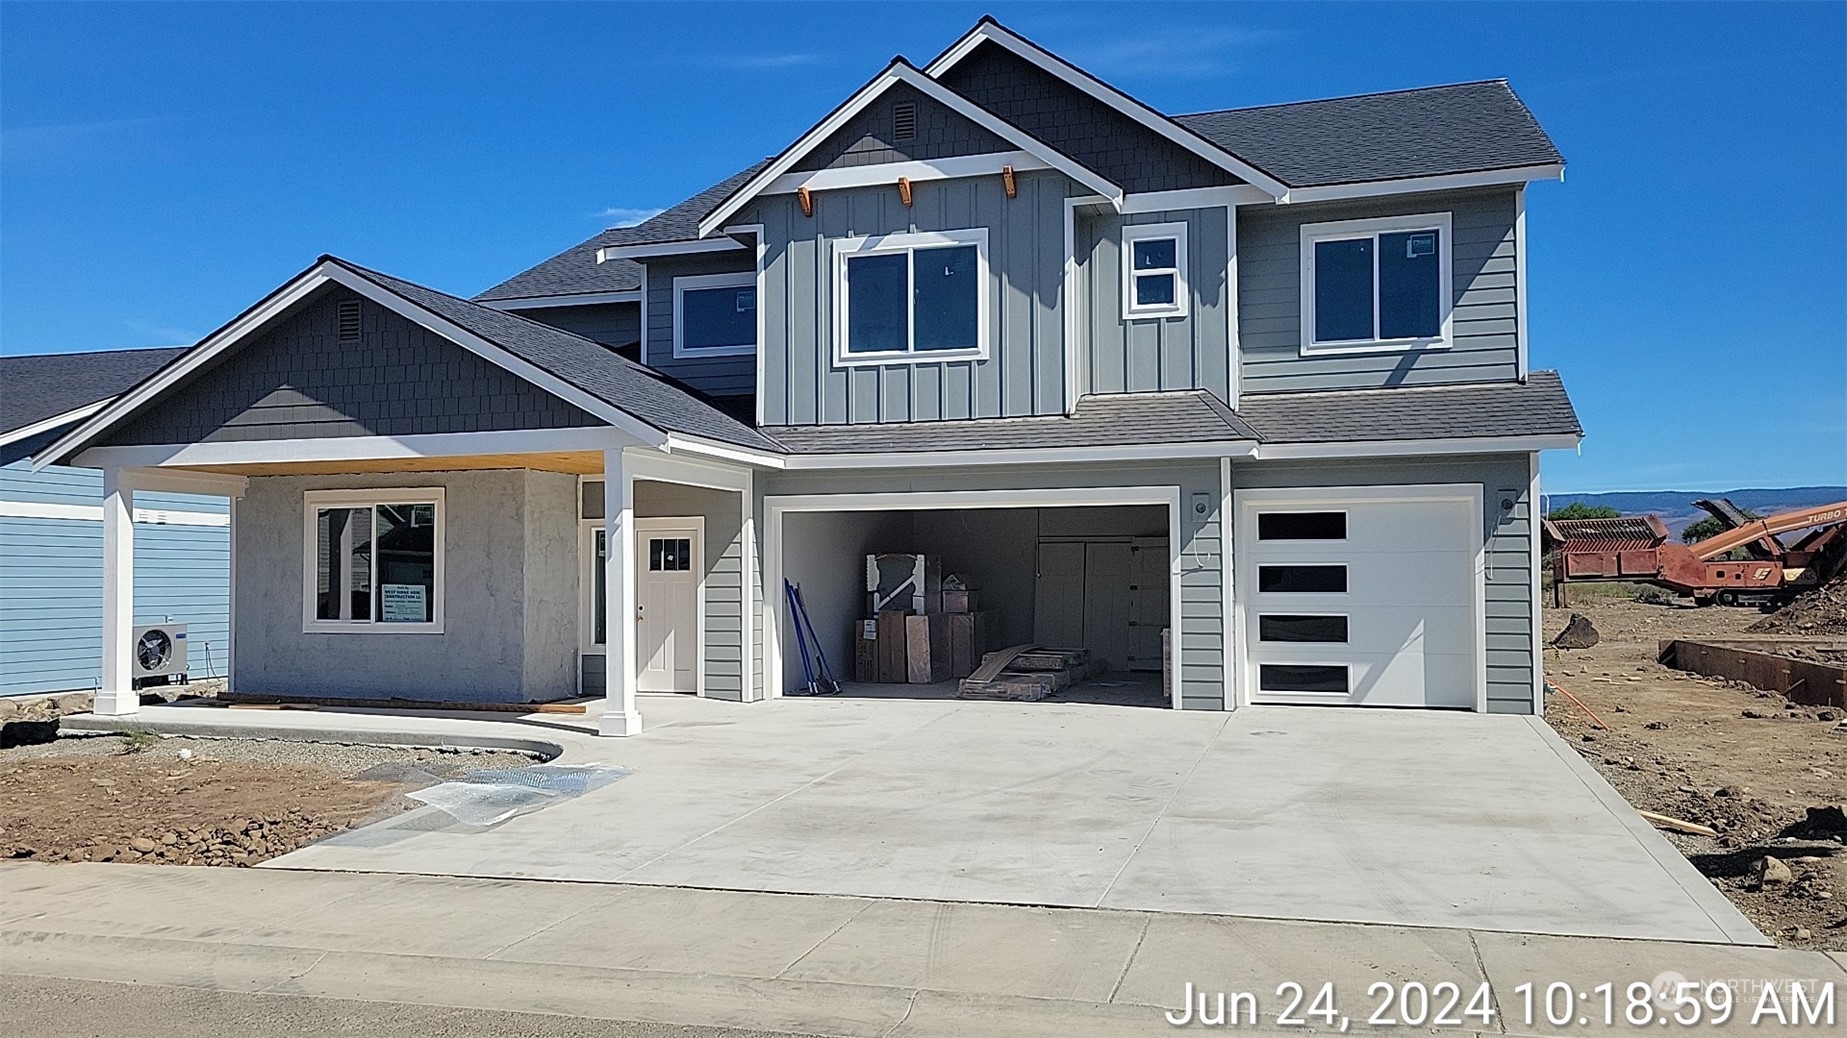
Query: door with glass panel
x,y
668,568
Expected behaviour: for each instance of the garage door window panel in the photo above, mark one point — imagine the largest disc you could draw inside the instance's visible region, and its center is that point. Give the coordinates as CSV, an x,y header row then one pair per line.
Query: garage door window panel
x,y
1301,526
1318,679
1295,579
1286,627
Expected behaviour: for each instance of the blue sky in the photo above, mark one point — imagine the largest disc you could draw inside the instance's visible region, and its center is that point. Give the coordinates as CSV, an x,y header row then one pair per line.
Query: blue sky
x,y
162,166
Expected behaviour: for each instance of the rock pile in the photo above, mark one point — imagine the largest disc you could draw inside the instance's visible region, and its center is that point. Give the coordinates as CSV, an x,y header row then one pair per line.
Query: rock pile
x,y
1819,612
242,842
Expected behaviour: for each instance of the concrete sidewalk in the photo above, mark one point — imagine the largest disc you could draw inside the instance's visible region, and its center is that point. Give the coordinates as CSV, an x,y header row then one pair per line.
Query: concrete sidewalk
x,y
810,964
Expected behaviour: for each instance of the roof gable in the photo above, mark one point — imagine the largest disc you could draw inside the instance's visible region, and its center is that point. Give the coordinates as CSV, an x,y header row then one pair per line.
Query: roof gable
x,y
574,369
1048,96
902,72
867,138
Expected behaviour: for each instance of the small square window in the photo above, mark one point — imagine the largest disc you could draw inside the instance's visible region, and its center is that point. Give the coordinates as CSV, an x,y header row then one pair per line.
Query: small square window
x,y
1154,271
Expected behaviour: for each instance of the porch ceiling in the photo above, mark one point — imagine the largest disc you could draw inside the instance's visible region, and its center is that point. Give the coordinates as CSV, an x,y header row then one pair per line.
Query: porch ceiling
x,y
570,462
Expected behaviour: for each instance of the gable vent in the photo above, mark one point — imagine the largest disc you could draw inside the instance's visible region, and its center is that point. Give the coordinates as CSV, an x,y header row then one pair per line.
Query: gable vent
x,y
904,121
348,319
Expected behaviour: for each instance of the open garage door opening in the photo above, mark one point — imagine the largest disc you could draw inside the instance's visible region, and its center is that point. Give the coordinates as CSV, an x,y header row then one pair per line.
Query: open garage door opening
x,y
906,603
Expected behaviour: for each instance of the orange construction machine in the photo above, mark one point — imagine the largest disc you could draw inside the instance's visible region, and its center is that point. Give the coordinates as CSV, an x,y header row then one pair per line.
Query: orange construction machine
x,y
1747,563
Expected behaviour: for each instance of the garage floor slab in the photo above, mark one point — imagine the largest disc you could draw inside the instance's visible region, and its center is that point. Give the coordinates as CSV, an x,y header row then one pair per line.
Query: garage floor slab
x,y
1411,818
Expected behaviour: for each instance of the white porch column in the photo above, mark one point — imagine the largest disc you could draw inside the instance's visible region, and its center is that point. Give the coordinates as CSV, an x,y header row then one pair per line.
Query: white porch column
x,y
619,714
117,695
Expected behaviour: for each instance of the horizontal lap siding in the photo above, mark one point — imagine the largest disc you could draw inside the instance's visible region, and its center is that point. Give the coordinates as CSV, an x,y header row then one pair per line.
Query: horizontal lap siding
x,y
1167,353
1270,298
735,375
1506,539
299,380
612,324
1024,371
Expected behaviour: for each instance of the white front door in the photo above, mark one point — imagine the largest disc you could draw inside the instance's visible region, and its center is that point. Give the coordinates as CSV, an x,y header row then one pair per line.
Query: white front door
x,y
668,570
1362,596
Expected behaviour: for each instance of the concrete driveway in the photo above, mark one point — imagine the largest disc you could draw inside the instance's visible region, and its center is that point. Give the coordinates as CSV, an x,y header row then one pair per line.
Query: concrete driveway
x,y
1399,817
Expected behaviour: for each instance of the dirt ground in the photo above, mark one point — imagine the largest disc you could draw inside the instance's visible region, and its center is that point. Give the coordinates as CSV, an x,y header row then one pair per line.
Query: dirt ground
x,y
1727,756
227,802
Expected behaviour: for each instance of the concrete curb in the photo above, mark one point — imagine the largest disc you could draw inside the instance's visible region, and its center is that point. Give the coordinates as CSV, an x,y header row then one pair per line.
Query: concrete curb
x,y
395,735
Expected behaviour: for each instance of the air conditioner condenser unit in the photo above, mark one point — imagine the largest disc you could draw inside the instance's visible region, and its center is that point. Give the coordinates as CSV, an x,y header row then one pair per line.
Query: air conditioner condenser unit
x,y
160,652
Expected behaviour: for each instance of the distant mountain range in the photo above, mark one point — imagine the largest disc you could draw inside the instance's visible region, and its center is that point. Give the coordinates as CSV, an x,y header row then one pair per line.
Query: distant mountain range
x,y
1675,507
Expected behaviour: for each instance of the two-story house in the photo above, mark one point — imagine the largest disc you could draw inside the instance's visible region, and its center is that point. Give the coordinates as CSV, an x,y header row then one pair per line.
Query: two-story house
x,y
1258,377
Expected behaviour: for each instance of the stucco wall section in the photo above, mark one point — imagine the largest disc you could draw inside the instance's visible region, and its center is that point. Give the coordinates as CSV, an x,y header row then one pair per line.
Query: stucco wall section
x,y
496,525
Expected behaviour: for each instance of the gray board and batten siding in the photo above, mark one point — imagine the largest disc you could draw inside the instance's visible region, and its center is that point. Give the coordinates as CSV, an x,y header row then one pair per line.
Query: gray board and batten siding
x,y
300,380
1150,354
1023,373
1484,285
1508,571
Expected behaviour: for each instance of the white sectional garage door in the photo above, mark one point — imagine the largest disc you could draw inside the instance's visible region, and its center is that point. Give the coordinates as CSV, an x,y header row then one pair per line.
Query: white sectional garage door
x,y
1361,596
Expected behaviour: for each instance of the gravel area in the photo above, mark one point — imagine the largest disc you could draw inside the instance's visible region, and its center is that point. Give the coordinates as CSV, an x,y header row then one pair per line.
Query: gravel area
x,y
346,758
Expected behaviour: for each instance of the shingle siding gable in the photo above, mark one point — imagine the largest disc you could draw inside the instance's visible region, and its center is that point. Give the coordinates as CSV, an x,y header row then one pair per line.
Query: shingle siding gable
x,y
1078,125
868,138
298,380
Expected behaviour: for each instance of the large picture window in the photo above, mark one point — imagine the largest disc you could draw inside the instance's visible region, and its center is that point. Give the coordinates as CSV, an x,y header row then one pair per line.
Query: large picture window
x,y
911,298
1376,284
374,561
714,315
1154,270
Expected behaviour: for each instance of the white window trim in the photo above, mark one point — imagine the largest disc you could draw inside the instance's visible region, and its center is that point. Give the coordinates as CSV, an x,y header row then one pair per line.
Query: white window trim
x,y
697,282
313,501
849,248
1132,233
1341,229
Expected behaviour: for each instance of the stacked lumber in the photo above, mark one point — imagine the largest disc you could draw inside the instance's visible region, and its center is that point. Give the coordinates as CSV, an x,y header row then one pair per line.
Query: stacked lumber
x,y
1029,672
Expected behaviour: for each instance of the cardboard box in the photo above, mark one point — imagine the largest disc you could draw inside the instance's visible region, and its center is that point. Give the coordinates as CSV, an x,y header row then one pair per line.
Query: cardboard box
x,y
908,583
865,650
960,600
926,648
968,642
891,646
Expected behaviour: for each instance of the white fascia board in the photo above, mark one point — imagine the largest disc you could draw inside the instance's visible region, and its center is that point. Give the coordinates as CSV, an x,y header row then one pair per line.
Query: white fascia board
x,y
1194,198
1413,448
685,470
1411,185
288,295
44,425
899,72
669,248
214,484
353,448
1109,95
679,443
884,174
551,302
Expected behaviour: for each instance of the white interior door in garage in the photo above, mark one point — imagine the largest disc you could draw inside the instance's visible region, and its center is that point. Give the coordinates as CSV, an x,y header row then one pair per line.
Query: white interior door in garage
x,y
1362,596
1108,595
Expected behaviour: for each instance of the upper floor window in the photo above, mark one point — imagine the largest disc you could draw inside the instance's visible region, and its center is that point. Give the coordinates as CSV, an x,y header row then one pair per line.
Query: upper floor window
x,y
911,298
1154,270
714,315
1376,284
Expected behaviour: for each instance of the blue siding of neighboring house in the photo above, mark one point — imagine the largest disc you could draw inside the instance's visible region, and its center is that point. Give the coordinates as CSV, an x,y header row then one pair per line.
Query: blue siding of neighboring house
x,y
51,579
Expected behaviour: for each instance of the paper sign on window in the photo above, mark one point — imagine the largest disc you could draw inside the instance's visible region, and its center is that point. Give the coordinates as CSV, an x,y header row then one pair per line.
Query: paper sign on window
x,y
403,603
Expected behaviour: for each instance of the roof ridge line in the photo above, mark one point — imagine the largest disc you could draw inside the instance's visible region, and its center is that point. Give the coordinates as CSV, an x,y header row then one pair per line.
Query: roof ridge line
x,y
1345,97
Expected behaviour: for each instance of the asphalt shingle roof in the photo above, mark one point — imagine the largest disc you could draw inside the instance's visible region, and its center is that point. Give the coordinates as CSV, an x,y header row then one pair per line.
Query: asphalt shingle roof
x,y
1429,131
43,386
1536,407
622,383
575,271
1193,416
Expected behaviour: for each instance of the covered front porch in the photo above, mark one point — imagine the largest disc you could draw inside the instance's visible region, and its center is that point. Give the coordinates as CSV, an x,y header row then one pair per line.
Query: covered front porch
x,y
461,568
